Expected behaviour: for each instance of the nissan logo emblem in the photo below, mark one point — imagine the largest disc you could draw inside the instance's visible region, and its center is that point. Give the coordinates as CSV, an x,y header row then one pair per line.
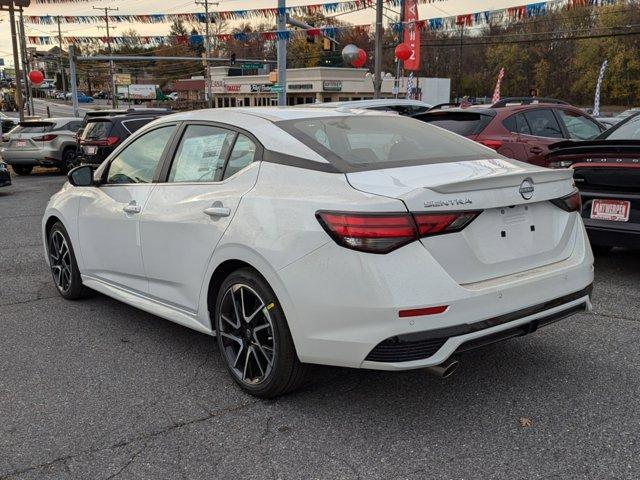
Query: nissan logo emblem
x,y
526,189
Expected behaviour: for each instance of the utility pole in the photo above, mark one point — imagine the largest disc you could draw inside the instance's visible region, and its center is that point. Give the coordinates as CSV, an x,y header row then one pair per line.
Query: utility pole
x,y
208,48
74,88
377,79
114,93
25,65
16,59
282,54
63,77
459,83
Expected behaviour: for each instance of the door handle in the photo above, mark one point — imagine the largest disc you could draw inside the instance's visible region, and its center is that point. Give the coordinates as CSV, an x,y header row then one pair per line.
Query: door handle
x,y
217,211
535,150
132,208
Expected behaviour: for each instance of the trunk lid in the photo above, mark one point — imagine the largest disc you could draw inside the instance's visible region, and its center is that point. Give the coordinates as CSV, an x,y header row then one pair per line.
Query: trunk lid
x,y
518,229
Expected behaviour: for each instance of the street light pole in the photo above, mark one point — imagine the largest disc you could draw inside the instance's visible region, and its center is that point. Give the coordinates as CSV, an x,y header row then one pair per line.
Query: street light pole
x,y
114,93
282,53
25,65
16,60
208,48
377,80
63,77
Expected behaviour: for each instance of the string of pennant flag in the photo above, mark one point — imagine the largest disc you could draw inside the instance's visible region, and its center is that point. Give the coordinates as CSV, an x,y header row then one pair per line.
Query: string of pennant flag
x,y
491,17
533,9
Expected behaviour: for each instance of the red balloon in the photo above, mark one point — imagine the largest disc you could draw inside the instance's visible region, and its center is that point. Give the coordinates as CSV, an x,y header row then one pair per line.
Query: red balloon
x,y
403,52
36,77
361,60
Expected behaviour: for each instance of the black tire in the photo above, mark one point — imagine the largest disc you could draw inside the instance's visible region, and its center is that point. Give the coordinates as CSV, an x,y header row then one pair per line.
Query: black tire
x,y
601,249
285,373
69,159
22,169
64,268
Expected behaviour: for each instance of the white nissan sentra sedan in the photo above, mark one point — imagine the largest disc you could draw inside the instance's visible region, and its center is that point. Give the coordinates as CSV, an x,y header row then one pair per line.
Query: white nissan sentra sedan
x,y
322,236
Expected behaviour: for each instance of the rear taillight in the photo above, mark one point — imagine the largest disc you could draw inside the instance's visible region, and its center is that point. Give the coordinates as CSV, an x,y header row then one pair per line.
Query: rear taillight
x,y
103,142
570,203
44,138
384,232
112,141
495,144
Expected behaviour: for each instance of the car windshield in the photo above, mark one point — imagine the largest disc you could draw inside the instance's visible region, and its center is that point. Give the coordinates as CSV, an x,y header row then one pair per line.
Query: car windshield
x,y
368,142
97,129
462,123
33,128
630,130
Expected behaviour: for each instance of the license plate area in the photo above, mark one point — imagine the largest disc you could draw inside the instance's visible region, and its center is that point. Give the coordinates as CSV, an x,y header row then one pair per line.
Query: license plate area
x,y
611,210
20,143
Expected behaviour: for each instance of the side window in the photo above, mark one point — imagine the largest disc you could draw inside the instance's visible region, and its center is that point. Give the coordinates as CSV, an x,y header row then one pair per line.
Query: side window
x,y
138,162
135,125
517,124
543,123
201,154
579,126
243,153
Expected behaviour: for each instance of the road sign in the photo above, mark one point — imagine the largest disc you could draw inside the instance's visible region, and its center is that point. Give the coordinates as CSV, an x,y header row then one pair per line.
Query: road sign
x,y
251,66
277,88
122,79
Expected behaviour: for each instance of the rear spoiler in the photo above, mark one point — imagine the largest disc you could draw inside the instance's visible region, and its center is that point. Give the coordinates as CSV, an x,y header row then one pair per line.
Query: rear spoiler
x,y
569,147
504,180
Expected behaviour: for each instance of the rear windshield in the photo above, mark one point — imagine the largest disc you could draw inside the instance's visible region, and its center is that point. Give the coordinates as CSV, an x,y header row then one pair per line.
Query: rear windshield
x,y
628,131
366,142
97,130
462,123
33,128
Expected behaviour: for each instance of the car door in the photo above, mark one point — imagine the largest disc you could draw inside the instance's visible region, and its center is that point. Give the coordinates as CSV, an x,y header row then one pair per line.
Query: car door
x,y
108,215
545,130
185,217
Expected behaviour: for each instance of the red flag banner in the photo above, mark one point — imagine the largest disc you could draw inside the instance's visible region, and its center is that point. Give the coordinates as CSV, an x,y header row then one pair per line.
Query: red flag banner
x,y
411,34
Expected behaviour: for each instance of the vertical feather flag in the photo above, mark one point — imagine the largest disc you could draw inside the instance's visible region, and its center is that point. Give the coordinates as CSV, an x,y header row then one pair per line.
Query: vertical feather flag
x,y
496,92
596,100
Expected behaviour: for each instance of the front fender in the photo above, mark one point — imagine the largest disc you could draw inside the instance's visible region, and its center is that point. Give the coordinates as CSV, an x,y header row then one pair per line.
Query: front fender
x,y
63,205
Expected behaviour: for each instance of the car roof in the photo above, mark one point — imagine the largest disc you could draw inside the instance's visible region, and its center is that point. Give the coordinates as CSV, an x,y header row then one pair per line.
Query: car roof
x,y
380,102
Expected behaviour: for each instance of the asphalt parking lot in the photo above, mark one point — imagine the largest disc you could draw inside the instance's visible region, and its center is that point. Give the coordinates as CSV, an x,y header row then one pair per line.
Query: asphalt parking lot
x,y
96,389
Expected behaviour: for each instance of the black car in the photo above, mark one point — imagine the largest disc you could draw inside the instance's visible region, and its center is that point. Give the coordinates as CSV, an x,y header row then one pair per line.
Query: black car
x,y
6,123
5,176
103,134
607,173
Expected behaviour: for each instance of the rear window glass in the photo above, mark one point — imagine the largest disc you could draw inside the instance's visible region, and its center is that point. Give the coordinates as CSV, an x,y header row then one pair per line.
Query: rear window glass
x,y
361,142
34,128
96,130
133,125
628,131
462,123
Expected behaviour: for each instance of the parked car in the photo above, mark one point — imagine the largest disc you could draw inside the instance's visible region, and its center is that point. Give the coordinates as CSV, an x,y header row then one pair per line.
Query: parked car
x,y
356,239
102,134
398,105
82,98
45,143
7,123
173,96
520,128
5,176
607,173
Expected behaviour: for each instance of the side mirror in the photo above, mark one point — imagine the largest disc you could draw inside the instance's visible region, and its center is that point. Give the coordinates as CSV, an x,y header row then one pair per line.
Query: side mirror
x,y
81,176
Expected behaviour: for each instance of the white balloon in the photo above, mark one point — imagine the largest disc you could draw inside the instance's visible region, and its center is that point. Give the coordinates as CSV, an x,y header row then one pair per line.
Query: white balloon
x,y
350,53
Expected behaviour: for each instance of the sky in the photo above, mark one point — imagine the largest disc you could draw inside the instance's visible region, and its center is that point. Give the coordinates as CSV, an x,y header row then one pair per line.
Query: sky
x,y
439,9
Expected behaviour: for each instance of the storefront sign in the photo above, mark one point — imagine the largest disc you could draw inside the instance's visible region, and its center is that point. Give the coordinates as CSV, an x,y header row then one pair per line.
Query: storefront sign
x,y
332,86
217,86
232,88
261,88
300,86
122,79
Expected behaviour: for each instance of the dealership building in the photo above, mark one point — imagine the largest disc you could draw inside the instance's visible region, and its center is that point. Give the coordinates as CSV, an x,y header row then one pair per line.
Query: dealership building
x,y
309,85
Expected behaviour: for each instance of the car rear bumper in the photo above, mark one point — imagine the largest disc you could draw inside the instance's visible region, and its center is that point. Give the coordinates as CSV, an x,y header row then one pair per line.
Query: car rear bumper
x,y
612,233
39,156
347,311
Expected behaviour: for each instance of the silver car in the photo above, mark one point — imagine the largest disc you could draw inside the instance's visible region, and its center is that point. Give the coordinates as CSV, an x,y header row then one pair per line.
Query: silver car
x,y
49,142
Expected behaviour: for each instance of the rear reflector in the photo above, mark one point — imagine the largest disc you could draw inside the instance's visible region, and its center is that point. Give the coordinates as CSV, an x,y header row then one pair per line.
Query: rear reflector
x,y
495,144
570,203
385,232
418,312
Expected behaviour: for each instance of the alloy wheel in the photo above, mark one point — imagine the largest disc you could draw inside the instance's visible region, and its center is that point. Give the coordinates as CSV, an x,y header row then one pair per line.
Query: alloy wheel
x,y
246,330
60,259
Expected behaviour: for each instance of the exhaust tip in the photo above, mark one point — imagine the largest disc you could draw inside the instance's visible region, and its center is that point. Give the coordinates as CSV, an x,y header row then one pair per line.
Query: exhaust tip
x,y
445,369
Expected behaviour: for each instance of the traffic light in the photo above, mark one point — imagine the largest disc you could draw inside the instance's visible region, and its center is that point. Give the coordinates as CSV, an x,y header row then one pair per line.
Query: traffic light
x,y
326,44
232,60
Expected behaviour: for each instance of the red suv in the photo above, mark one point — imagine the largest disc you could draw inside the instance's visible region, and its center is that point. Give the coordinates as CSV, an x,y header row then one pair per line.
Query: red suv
x,y
520,128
